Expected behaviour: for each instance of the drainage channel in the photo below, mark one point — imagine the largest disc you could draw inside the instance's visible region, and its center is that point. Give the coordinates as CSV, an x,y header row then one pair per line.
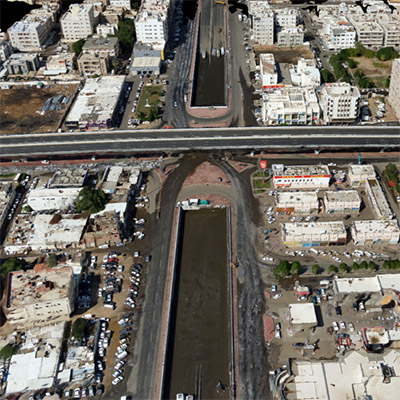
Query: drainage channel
x,y
199,358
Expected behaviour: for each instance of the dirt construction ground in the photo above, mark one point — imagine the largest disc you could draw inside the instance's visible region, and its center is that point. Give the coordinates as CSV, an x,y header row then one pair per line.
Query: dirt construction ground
x,y
20,109
283,55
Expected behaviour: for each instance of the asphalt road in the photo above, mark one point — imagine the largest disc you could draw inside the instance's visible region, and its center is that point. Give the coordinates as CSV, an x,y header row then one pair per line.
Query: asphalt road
x,y
296,138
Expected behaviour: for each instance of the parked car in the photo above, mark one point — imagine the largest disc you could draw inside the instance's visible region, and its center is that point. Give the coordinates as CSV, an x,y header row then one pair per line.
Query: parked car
x,y
342,325
335,326
338,310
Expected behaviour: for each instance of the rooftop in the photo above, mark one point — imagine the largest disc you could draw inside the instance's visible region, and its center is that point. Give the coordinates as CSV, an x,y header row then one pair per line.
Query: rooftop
x,y
381,206
68,178
372,284
296,197
147,62
100,43
376,225
340,89
362,169
76,12
302,313
314,228
300,170
341,195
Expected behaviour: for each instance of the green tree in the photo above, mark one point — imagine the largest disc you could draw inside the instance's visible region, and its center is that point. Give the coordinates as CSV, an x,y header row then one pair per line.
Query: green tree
x,y
295,268
315,269
343,267
11,264
332,269
327,76
369,53
386,53
8,351
282,270
27,208
77,46
351,63
386,264
91,200
363,265
78,328
355,266
371,266
135,4
51,260
126,35
386,82
391,173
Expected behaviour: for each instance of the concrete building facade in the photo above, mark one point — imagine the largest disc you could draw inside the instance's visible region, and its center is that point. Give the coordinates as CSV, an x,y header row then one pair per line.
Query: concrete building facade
x,y
262,22
78,22
301,176
375,232
394,90
269,74
379,203
303,203
22,63
342,202
359,174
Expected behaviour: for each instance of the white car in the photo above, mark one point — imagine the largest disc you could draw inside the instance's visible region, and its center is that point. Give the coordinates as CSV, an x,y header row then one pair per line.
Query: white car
x,y
278,334
117,373
117,380
136,254
342,325
77,393
120,364
335,326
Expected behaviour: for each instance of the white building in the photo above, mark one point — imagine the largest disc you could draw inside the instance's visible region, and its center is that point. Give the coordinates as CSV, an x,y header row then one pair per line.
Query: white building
x,y
305,203
31,33
390,24
7,196
313,234
6,50
301,176
378,200
374,232
52,199
59,64
106,29
340,102
262,22
342,202
302,316
78,22
121,3
290,36
369,32
39,296
339,33
305,73
360,173
287,17
151,23
394,90
291,106
96,104
269,75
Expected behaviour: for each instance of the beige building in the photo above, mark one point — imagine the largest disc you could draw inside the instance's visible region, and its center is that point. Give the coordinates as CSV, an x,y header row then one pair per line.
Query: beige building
x,y
340,102
394,90
39,296
92,64
290,36
269,74
378,200
358,174
262,22
78,22
112,15
310,234
375,232
390,24
369,32
296,203
342,202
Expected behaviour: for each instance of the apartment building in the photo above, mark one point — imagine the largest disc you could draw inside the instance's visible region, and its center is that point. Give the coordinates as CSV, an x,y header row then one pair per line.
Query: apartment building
x,y
59,64
112,15
342,202
104,30
375,232
269,74
340,102
301,176
291,106
22,63
339,33
360,173
90,64
394,90
290,36
78,22
262,22
303,203
286,17
313,234
6,50
39,296
369,32
152,21
121,3
305,73
390,24
31,33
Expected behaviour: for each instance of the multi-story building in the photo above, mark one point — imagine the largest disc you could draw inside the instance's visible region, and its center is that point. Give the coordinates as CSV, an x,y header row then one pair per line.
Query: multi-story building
x,y
373,232
340,102
104,30
90,64
78,22
59,64
339,33
22,63
291,106
379,203
262,22
39,296
390,24
269,75
360,173
53,199
342,202
305,203
369,32
305,73
290,36
31,33
108,47
287,17
6,50
301,176
152,21
7,196
313,234
112,15
394,90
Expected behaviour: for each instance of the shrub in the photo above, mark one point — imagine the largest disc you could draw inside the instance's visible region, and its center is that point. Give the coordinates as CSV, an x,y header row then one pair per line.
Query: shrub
x,y
327,76
352,63
11,264
371,266
8,351
387,53
51,260
332,269
91,200
315,269
343,267
78,328
77,46
355,266
295,268
27,208
363,265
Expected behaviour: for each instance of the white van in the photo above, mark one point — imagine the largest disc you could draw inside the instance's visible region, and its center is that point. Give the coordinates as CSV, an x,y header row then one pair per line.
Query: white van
x,y
122,355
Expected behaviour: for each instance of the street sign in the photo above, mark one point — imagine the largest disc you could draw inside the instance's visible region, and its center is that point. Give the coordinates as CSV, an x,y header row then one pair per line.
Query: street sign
x,y
263,164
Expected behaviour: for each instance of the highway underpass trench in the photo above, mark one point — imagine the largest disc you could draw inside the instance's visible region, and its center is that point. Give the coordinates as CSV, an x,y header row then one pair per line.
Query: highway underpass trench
x,y
198,352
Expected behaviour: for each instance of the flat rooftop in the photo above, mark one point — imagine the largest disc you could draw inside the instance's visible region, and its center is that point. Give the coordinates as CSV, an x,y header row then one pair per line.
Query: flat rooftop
x,y
371,284
342,195
302,313
363,169
381,207
298,171
296,197
314,228
376,225
68,178
148,62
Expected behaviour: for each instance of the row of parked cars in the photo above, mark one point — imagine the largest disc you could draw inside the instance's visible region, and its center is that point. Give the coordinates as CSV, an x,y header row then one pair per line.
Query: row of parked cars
x,y
112,283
